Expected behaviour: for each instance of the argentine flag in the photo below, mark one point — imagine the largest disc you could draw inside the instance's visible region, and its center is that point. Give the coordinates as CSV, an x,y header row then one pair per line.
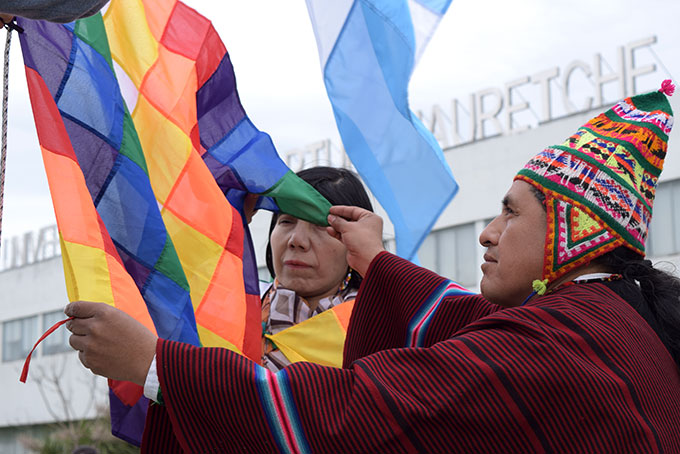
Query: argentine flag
x,y
368,49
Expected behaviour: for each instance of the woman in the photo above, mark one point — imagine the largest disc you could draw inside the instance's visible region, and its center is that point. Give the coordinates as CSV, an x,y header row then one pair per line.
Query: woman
x,y
311,276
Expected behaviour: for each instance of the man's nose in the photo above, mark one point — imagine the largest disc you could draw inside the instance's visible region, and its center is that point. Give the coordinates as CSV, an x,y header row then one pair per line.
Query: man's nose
x,y
490,234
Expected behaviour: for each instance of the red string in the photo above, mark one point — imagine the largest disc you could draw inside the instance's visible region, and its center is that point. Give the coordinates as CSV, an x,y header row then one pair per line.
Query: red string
x,y
24,372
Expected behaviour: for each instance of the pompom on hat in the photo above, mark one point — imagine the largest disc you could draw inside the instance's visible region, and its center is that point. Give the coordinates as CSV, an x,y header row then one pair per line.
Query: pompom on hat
x,y
600,183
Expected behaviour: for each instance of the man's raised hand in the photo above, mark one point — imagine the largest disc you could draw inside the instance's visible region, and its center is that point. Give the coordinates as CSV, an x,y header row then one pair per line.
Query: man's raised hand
x,y
360,231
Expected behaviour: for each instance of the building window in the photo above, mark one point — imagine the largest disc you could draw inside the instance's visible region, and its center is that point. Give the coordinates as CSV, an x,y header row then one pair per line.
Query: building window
x,y
664,230
263,274
427,254
452,253
18,337
459,258
57,342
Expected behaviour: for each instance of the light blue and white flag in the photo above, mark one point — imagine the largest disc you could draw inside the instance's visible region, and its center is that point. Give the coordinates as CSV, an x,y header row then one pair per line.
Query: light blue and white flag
x,y
368,49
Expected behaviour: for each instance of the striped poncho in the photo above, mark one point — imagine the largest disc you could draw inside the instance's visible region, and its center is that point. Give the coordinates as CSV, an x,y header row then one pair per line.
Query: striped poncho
x,y
432,370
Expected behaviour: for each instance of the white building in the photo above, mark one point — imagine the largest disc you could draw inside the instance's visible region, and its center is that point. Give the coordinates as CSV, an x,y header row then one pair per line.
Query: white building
x,y
58,388
485,148
490,135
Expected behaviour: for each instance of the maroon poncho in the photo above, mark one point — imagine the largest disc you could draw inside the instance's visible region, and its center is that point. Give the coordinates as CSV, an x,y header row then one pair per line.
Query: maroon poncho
x,y
577,370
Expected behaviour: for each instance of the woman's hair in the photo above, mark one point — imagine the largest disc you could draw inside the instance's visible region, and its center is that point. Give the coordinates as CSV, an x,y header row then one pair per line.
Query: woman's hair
x,y
340,187
660,290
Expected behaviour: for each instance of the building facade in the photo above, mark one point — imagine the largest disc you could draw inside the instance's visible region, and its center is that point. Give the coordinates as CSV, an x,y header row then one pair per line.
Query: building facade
x,y
58,387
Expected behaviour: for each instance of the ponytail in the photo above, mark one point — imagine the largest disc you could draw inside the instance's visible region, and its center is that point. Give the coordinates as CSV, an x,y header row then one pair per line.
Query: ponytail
x,y
660,290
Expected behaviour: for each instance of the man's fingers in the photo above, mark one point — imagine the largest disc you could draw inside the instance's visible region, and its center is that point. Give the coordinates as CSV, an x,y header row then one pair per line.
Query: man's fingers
x,y
77,342
82,309
79,327
334,233
249,204
337,223
351,213
344,211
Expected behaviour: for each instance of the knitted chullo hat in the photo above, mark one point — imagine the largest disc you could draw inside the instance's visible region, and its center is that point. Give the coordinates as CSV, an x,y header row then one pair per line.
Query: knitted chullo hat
x,y
600,183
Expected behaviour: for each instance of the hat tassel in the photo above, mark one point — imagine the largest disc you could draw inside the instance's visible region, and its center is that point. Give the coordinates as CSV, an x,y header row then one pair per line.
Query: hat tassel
x,y
667,87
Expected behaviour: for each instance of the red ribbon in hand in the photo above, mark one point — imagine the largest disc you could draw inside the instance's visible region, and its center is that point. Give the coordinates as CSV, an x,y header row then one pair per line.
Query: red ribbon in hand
x,y
24,372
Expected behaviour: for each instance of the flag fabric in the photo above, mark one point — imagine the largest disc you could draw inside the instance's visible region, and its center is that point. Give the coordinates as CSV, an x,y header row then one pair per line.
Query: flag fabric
x,y
329,331
368,49
114,245
142,136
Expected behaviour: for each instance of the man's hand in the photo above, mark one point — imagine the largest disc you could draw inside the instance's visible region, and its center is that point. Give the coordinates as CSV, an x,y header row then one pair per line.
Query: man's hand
x,y
360,231
249,206
110,342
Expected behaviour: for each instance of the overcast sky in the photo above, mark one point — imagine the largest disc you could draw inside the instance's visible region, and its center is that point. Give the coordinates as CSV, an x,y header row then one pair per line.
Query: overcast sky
x,y
479,44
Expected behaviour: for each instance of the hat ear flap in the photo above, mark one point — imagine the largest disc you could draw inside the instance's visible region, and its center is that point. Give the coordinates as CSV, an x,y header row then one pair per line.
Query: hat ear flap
x,y
600,183
574,237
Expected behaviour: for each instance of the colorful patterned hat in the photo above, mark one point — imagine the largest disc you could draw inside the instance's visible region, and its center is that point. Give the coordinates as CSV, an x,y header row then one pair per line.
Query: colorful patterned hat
x,y
600,183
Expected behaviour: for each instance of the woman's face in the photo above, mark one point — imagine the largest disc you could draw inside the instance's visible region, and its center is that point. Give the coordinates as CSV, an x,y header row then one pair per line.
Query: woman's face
x,y
306,258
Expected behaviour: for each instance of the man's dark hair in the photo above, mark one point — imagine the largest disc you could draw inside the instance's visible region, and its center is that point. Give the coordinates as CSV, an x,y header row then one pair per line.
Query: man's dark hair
x,y
539,195
660,290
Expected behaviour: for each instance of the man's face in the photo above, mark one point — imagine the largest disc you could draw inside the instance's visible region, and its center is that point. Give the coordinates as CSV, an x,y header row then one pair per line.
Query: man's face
x,y
515,242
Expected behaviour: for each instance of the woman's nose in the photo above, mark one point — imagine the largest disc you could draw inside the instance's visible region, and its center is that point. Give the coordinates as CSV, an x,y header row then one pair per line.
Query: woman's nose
x,y
300,235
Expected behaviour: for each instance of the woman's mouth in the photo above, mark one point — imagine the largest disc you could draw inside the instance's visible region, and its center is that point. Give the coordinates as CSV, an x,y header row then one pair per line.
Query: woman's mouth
x,y
296,264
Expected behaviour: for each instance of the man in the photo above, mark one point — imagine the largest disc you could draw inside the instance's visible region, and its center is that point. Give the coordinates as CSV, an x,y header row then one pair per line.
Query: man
x,y
51,10
564,352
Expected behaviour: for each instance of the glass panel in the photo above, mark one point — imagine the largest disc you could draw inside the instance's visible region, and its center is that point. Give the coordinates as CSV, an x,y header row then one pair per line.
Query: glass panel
x,y
427,254
676,215
11,336
661,228
466,255
447,253
263,274
390,245
457,254
18,338
57,342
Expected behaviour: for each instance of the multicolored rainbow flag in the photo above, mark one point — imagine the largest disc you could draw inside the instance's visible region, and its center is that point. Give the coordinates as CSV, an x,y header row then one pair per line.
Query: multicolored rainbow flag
x,y
149,155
